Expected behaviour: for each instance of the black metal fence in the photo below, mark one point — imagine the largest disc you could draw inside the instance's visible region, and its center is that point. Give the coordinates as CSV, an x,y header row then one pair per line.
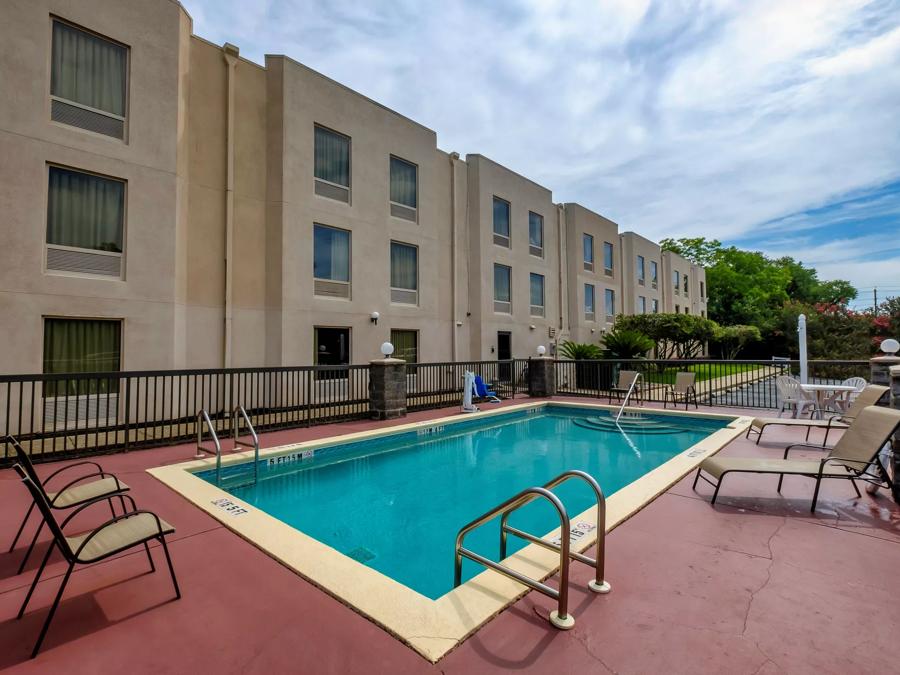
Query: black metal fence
x,y
66,415
437,385
738,384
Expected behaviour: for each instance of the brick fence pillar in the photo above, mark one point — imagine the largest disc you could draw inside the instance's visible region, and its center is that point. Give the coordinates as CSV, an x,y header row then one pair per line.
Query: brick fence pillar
x,y
542,377
387,388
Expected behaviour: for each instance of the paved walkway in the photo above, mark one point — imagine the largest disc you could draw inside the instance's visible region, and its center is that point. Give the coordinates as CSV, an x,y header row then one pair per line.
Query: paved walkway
x,y
754,585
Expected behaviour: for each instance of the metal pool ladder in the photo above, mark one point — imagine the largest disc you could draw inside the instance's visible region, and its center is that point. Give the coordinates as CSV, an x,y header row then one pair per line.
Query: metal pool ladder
x,y
560,617
634,382
203,420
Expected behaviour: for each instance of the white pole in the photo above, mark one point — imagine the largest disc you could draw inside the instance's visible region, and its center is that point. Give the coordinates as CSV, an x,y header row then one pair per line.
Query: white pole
x,y
801,337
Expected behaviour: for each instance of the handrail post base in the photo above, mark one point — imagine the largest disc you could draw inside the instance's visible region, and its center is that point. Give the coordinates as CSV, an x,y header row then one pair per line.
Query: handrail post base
x,y
603,587
562,623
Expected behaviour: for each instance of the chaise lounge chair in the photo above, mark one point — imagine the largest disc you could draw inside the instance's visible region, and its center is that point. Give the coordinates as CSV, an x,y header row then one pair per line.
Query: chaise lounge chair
x,y
867,397
122,532
76,492
852,457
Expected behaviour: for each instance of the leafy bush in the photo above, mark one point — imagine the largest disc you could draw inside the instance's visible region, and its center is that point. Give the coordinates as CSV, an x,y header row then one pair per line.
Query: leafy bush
x,y
624,343
580,351
732,339
675,335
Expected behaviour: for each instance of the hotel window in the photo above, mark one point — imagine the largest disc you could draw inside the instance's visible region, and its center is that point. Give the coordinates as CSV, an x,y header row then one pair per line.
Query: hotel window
x,y
641,305
654,274
502,289
404,274
332,348
404,189
88,81
640,270
676,282
654,305
501,222
684,279
607,258
406,345
537,294
678,309
702,290
610,304
85,223
331,261
589,314
535,234
332,164
81,346
587,247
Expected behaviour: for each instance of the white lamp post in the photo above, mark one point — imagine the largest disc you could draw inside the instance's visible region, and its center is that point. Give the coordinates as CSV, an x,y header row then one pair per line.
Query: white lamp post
x,y
801,338
541,350
890,346
387,349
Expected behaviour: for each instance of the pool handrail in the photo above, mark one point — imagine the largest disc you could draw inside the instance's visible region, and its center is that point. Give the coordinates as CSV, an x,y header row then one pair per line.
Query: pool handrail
x,y
235,431
203,418
599,584
559,617
637,376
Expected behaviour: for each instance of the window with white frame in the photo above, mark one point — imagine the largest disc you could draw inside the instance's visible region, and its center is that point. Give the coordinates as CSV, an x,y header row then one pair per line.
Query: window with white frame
x,y
404,273
501,222
589,311
331,261
88,81
502,289
406,345
332,164
404,189
536,234
537,294
85,223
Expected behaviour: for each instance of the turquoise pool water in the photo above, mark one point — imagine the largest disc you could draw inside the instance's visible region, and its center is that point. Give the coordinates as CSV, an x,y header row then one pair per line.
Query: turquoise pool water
x,y
396,503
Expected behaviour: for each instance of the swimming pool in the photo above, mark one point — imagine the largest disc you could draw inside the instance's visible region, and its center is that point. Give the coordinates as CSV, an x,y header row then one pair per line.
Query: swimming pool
x,y
339,488
396,503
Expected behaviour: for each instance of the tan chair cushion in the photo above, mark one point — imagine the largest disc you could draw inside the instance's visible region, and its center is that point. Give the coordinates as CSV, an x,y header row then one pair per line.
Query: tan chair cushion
x,y
119,536
84,492
716,466
761,422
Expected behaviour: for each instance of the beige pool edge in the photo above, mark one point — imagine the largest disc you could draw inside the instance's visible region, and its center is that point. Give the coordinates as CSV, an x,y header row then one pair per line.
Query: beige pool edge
x,y
430,627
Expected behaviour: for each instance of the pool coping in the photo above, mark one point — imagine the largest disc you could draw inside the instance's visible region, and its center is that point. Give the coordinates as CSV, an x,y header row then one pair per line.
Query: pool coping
x,y
430,627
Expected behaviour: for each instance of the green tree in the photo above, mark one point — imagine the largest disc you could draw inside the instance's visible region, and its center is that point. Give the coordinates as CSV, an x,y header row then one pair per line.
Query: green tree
x,y
680,336
731,340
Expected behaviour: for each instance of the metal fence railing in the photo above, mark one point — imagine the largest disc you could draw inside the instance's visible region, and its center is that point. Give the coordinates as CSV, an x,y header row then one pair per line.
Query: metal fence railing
x,y
437,385
73,414
738,384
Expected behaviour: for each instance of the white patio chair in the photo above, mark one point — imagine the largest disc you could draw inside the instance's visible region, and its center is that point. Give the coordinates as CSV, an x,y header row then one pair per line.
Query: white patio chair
x,y
792,396
844,399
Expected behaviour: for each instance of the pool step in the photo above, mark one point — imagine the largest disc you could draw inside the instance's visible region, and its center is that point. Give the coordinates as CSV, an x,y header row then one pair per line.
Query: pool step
x,y
631,424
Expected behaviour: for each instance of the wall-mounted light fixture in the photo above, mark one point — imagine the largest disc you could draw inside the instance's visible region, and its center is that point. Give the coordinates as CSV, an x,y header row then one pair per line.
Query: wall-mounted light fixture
x,y
531,326
373,317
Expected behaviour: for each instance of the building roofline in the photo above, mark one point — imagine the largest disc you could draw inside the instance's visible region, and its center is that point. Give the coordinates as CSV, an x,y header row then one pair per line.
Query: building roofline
x,y
479,157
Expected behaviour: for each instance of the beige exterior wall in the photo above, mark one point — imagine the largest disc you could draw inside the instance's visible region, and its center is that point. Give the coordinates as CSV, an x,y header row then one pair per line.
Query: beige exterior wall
x,y
581,221
675,299
634,245
220,207
486,180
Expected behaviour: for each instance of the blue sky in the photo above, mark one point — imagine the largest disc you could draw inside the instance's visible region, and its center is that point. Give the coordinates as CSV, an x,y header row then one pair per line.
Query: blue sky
x,y
771,124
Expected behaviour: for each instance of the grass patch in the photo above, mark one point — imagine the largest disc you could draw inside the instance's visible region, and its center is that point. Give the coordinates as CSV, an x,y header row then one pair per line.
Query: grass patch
x,y
704,371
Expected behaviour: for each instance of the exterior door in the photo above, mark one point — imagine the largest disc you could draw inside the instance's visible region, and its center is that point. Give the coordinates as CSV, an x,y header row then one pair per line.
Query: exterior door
x,y
504,354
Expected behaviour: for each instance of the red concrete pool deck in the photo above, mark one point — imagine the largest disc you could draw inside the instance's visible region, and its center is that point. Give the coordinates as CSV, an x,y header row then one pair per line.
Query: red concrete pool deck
x,y
755,585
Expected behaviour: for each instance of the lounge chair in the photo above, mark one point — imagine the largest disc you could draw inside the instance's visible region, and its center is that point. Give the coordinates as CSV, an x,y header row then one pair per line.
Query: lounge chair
x,y
122,532
853,457
868,396
683,390
482,391
792,396
81,490
626,379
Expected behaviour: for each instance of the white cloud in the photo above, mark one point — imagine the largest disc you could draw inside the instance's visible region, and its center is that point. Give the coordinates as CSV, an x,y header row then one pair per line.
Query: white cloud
x,y
701,117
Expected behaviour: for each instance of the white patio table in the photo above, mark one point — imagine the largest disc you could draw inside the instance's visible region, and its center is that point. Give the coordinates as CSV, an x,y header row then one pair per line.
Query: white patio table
x,y
822,392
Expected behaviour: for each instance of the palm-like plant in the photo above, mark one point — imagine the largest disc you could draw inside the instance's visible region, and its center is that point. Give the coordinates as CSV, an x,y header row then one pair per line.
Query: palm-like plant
x,y
622,343
577,351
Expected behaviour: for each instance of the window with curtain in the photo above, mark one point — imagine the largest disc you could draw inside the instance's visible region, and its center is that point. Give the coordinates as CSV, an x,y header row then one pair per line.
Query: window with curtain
x,y
587,244
85,211
332,157
501,217
88,70
502,283
535,230
403,182
404,266
331,253
607,255
537,293
589,300
406,345
81,346
654,275
640,267
610,302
